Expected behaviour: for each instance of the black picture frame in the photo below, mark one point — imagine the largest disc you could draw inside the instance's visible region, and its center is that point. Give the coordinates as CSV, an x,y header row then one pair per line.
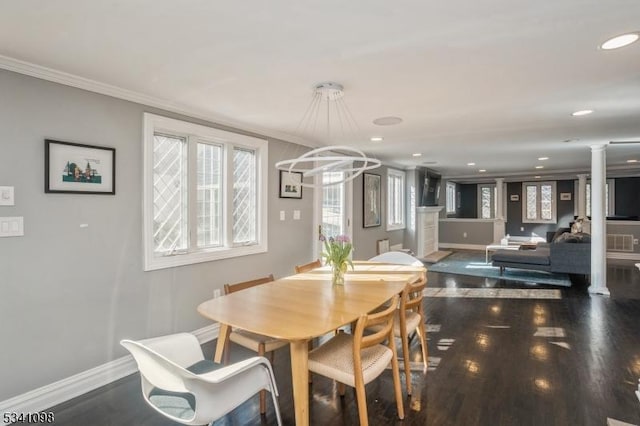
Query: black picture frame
x,y
371,200
290,184
66,173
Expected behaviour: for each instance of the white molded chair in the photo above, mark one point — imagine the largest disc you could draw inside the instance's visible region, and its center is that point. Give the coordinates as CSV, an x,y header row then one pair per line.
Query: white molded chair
x,y
180,384
397,257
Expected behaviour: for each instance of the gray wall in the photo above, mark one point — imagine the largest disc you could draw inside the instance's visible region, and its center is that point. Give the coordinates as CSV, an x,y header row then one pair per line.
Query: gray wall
x,y
468,201
625,228
627,199
365,239
478,231
565,211
69,294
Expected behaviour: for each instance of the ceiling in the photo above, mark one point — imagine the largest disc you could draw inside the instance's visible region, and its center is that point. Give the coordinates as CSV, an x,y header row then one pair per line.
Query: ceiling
x,y
491,82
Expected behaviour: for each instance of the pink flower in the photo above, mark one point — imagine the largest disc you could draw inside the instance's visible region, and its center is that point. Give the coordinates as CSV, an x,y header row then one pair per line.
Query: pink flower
x,y
322,238
343,239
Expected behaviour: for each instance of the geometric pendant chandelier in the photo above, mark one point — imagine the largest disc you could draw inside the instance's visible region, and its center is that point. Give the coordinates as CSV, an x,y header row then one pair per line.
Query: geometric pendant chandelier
x,y
352,162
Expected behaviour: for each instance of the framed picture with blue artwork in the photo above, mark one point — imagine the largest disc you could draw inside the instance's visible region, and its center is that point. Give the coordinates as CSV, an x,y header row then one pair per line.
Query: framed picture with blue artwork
x,y
73,168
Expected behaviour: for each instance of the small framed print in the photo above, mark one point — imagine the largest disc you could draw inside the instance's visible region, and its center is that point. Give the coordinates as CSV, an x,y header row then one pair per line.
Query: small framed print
x,y
290,184
565,196
73,168
514,197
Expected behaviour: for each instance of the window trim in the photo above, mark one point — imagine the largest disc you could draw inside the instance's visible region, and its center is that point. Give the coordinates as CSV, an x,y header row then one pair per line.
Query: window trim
x,y
451,186
155,123
611,200
494,199
554,202
403,176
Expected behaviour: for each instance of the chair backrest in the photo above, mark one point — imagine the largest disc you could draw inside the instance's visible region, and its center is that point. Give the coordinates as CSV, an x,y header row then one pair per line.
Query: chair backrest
x,y
412,295
384,318
158,370
397,257
308,266
232,288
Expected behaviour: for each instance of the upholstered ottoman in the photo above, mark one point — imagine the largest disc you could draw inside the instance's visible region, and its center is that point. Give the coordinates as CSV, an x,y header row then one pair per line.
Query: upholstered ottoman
x,y
538,259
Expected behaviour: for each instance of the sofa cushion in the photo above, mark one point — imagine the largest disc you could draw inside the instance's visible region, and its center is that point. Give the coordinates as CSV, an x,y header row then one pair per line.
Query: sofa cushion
x,y
539,256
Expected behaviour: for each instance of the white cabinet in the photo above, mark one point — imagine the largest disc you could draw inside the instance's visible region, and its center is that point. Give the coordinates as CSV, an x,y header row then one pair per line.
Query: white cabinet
x,y
427,230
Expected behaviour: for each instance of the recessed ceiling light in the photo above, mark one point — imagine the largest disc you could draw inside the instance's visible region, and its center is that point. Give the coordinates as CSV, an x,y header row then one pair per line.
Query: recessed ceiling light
x,y
471,164
417,154
539,167
632,161
387,121
482,170
376,139
536,177
619,41
543,158
582,112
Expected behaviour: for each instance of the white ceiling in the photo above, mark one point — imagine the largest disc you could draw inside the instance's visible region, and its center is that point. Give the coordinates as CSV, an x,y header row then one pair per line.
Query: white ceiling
x,y
492,82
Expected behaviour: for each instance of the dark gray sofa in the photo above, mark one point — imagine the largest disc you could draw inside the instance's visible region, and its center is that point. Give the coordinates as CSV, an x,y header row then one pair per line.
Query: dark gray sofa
x,y
569,253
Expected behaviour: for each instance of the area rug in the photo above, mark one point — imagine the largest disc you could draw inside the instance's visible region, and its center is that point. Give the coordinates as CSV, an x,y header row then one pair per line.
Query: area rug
x,y
467,263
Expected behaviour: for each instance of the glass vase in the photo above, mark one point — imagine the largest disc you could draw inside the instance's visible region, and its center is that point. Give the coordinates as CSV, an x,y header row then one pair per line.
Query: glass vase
x,y
337,274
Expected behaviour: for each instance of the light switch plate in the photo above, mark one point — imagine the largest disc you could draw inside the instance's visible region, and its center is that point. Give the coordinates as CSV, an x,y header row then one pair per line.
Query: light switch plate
x,y
282,215
11,226
296,215
7,196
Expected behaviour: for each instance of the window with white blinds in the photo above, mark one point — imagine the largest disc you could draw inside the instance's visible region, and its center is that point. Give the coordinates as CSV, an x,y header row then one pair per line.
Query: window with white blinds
x,y
205,190
395,199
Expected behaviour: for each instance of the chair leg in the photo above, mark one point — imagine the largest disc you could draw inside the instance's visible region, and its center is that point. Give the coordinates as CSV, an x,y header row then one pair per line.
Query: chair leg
x,y
362,400
422,335
396,382
263,394
309,349
405,355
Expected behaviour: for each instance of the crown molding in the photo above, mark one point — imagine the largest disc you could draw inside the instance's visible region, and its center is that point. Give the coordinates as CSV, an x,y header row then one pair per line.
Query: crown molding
x,y
72,80
569,174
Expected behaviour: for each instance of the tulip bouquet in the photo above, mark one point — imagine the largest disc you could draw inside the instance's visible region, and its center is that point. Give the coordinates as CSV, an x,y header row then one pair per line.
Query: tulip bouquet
x,y
337,253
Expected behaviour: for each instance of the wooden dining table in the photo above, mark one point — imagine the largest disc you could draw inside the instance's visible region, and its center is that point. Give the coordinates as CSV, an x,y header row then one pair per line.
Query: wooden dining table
x,y
301,307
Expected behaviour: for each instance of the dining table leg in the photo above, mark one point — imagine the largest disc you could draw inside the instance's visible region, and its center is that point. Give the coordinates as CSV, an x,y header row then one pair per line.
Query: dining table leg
x,y
300,379
223,337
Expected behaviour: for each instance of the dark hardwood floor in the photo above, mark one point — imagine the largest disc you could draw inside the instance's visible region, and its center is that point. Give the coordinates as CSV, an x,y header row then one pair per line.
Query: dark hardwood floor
x,y
574,360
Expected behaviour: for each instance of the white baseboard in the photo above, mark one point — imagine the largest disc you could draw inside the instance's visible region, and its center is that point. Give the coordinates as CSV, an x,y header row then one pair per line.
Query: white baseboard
x,y
50,395
463,246
623,256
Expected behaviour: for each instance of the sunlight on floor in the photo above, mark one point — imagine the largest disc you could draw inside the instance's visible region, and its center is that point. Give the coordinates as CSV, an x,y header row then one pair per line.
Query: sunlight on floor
x,y
497,293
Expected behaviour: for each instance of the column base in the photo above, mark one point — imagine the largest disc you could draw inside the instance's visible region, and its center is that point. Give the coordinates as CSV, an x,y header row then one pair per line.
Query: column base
x,y
603,291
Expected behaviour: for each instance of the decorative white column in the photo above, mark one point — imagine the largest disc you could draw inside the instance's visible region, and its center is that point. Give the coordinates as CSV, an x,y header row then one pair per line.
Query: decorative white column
x,y
598,221
498,223
582,195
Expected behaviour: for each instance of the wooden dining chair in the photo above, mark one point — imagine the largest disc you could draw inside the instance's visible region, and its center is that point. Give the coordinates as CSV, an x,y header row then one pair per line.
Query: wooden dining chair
x,y
308,266
356,359
409,317
253,341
